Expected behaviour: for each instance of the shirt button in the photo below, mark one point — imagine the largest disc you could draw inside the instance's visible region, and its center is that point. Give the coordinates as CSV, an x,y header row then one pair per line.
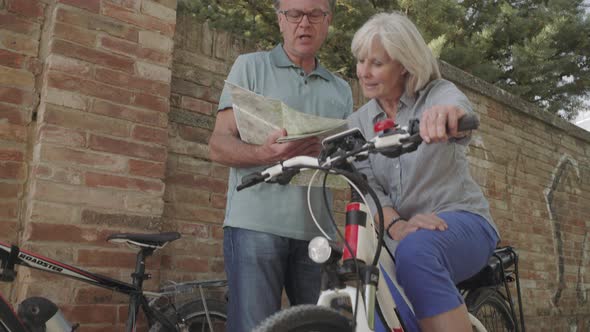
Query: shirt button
x,y
305,81
302,74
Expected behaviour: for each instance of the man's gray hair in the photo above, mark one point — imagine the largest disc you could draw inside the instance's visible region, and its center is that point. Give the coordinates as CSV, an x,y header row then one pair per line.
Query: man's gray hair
x,y
331,4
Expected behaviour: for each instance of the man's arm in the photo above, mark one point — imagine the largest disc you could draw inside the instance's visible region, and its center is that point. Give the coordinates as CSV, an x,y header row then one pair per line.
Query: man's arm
x,y
227,148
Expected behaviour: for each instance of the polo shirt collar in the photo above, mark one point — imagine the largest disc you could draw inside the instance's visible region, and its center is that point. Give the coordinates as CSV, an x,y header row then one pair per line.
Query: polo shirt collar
x,y
279,58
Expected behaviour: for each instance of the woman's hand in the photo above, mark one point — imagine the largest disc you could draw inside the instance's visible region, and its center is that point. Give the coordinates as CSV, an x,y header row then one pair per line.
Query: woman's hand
x,y
420,221
440,122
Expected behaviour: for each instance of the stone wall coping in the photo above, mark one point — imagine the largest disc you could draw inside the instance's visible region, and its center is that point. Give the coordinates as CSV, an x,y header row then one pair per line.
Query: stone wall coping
x,y
511,101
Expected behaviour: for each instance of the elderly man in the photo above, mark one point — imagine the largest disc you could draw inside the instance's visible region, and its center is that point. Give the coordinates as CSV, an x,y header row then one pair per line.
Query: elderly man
x,y
267,227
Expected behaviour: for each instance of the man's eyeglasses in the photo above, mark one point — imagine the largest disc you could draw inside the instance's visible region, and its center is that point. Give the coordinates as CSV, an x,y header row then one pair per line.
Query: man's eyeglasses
x,y
296,15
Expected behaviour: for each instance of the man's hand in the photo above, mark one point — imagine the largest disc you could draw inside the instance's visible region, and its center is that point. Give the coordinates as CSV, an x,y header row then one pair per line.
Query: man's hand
x,y
273,152
438,123
420,221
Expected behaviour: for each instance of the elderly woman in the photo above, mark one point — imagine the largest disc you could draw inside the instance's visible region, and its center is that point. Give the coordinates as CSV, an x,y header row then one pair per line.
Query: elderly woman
x,y
437,219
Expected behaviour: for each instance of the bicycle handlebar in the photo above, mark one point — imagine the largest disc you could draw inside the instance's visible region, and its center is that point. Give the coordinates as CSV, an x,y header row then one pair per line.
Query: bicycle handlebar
x,y
391,144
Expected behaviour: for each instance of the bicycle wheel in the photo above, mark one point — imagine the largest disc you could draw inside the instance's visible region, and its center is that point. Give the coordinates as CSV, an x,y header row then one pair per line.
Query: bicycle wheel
x,y
305,318
195,317
491,309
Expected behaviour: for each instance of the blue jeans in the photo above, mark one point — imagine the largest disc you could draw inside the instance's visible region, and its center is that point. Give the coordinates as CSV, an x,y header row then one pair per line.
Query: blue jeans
x,y
258,266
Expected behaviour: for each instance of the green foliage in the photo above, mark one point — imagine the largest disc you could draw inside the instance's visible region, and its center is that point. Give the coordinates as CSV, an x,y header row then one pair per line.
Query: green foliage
x,y
537,49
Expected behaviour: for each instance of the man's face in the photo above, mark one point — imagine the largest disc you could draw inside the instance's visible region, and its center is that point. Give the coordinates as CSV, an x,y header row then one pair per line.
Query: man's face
x,y
303,39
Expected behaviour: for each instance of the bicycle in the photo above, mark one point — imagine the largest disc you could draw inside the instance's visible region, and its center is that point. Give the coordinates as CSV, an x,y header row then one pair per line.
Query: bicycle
x,y
359,260
164,310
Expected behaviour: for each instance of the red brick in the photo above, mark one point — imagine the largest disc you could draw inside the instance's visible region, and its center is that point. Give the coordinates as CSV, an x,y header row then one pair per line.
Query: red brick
x,y
151,135
11,59
120,220
128,48
10,132
132,114
218,201
75,34
89,5
69,65
114,181
198,231
196,105
87,87
197,181
83,121
7,154
130,4
16,78
97,258
146,168
93,56
219,171
194,134
81,157
12,170
141,21
92,295
191,264
10,190
8,209
91,314
62,136
100,143
9,231
16,96
132,82
66,175
15,24
14,115
20,43
99,23
151,102
27,8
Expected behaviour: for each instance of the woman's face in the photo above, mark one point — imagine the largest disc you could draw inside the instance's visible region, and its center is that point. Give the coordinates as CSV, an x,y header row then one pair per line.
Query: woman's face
x,y
381,77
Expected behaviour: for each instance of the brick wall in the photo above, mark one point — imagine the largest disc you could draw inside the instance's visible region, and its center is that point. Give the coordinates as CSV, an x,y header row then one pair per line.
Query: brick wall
x,y
106,107
20,33
100,71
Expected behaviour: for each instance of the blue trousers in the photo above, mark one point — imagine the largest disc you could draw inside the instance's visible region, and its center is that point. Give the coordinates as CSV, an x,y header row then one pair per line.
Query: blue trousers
x,y
258,267
430,263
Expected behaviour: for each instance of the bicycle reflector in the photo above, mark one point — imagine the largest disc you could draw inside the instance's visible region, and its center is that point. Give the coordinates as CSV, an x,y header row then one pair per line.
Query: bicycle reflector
x,y
319,249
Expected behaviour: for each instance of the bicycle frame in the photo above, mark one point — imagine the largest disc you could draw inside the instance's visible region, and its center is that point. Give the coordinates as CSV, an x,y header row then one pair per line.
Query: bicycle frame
x,y
12,255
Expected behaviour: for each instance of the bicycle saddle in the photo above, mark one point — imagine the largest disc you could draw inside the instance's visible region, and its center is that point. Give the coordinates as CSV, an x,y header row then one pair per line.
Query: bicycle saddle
x,y
144,240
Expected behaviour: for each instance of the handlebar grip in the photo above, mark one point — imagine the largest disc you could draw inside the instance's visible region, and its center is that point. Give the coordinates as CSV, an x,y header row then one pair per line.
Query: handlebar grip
x,y
250,180
469,121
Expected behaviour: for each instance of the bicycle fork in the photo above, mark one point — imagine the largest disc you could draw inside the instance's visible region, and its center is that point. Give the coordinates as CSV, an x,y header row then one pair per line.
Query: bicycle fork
x,y
359,234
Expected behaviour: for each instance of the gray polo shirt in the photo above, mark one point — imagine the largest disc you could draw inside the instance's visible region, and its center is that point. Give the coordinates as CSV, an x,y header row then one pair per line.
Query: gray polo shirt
x,y
273,208
432,179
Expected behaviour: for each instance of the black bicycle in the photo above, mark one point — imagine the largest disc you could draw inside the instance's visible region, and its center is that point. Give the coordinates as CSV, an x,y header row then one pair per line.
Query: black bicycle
x,y
178,307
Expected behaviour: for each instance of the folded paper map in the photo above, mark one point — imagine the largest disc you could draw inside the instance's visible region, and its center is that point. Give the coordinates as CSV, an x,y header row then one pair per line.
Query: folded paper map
x,y
257,116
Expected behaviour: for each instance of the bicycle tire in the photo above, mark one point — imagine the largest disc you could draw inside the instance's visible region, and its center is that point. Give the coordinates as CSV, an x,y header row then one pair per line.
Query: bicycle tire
x,y
305,318
194,316
491,309
9,321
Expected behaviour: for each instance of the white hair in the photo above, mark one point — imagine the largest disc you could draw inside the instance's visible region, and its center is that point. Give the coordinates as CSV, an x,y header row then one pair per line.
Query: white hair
x,y
402,42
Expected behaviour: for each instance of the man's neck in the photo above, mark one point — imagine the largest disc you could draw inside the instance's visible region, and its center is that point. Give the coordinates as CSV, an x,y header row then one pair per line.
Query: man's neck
x,y
308,64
